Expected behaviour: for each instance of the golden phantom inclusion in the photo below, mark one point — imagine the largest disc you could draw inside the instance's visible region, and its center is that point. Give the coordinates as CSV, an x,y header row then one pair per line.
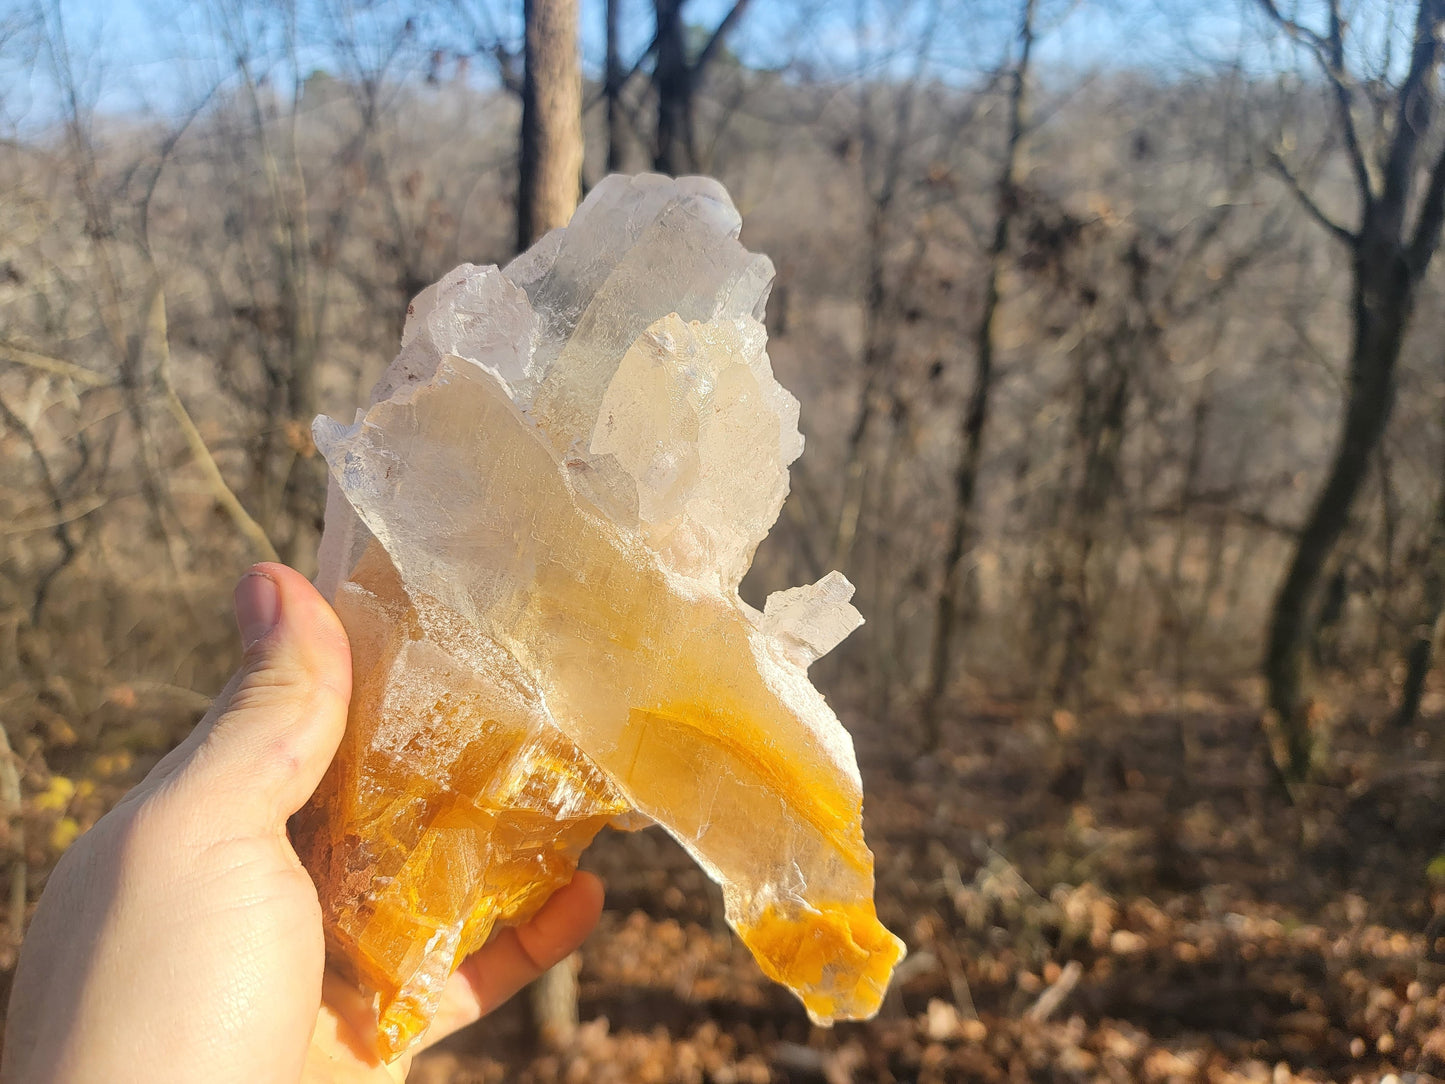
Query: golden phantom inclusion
x,y
535,536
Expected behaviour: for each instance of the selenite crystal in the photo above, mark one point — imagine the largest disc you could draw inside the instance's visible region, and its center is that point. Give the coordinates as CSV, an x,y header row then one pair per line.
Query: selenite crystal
x,y
534,537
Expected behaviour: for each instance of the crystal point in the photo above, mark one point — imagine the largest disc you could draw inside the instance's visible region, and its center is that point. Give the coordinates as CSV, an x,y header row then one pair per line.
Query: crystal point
x,y
811,621
534,537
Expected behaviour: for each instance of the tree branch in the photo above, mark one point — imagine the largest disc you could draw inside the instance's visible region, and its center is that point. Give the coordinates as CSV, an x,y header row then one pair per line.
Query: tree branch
x,y
1432,218
1310,39
1414,115
507,68
626,77
58,517
61,528
222,492
1339,232
1329,52
157,339
1344,106
11,810
155,334
719,36
47,364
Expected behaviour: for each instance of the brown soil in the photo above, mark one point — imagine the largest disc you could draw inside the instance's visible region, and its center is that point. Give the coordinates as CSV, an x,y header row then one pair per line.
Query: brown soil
x,y
1221,932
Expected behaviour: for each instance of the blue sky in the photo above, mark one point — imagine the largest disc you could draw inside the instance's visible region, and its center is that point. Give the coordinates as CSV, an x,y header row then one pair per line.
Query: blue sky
x,y
161,54
154,54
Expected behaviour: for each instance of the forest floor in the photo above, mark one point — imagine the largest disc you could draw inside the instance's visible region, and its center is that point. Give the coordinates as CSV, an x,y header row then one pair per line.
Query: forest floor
x,y
1122,896
1125,898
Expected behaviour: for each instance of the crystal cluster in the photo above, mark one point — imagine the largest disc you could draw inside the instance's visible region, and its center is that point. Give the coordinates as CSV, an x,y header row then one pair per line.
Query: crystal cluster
x,y
534,537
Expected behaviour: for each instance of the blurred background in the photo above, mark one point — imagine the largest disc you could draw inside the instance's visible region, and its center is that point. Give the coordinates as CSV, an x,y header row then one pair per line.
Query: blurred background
x,y
1119,336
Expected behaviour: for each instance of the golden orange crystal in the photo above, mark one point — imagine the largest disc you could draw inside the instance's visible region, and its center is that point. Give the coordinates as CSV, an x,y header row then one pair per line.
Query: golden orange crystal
x,y
535,537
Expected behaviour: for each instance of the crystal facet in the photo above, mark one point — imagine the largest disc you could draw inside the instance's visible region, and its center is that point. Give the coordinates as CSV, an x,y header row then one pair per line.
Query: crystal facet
x,y
534,537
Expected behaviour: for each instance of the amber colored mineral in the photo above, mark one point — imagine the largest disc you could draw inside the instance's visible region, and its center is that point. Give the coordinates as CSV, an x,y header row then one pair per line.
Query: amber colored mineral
x,y
534,537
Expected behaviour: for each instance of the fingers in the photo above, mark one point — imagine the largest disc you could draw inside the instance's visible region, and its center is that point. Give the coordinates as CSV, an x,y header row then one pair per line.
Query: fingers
x,y
517,955
342,1046
554,932
264,746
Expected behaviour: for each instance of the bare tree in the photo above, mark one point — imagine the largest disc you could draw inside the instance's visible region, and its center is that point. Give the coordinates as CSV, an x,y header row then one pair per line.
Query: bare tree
x,y
975,415
129,302
883,143
1389,256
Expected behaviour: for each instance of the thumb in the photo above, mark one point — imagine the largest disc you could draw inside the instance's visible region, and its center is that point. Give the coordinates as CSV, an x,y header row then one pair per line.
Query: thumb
x,y
267,741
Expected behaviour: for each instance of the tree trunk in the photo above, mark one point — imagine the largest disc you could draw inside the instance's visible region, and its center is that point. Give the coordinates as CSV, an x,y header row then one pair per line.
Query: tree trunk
x,y
1427,628
675,80
975,417
1177,626
889,584
1389,580
879,302
550,180
1382,304
612,87
672,79
551,158
552,1001
1102,415
855,466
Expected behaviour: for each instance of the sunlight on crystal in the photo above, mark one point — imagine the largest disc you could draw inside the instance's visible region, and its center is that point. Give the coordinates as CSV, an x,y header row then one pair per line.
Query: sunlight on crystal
x,y
534,537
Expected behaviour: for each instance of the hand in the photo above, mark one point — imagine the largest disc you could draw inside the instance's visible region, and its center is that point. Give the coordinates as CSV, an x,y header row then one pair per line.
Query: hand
x,y
180,938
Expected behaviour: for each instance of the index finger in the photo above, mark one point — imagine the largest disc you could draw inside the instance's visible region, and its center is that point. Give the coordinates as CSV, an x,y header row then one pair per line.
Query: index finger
x,y
518,955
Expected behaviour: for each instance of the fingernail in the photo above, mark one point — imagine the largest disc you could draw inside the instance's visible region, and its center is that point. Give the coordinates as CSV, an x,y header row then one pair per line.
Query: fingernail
x,y
258,606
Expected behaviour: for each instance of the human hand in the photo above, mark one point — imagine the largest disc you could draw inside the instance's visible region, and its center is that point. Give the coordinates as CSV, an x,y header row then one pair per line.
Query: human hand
x,y
180,938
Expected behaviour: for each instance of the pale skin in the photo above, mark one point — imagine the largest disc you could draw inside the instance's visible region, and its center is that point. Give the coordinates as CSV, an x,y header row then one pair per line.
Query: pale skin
x,y
180,938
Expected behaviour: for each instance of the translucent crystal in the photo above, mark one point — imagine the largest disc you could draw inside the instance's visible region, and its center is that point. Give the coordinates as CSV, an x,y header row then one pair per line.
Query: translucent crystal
x,y
534,537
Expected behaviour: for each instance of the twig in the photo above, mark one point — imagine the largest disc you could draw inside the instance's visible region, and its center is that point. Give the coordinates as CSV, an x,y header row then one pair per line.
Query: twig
x,y
1344,106
1305,200
45,363
60,517
187,697
1312,39
957,979
157,334
10,810
1432,218
1329,52
1050,1000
